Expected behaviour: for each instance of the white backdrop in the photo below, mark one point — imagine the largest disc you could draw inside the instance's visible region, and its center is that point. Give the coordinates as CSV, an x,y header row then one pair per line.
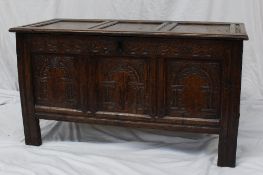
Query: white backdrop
x,y
250,12
113,150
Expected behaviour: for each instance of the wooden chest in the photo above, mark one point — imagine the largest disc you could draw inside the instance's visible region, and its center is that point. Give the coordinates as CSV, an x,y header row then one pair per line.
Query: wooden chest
x,y
182,76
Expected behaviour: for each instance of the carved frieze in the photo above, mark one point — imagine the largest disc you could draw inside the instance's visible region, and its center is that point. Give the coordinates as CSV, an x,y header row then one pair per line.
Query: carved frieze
x,y
129,47
188,49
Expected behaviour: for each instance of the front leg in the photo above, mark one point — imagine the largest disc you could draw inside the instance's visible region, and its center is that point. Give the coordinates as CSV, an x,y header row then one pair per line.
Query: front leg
x,y
32,130
31,123
228,144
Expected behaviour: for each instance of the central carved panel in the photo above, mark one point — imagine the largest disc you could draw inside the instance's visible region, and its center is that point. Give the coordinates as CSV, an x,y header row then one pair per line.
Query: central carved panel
x,y
122,85
193,89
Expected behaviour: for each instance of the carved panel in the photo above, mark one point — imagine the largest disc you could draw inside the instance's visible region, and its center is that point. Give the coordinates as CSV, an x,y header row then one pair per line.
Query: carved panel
x,y
193,89
55,80
123,85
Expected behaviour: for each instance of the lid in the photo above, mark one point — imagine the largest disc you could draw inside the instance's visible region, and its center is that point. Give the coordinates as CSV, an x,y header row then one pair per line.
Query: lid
x,y
132,27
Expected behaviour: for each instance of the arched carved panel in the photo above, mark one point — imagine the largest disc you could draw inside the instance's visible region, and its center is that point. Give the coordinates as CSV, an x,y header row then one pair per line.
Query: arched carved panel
x,y
193,89
122,85
55,80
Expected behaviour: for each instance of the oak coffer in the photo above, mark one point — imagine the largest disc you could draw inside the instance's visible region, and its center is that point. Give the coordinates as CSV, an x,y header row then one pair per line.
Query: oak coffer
x,y
172,75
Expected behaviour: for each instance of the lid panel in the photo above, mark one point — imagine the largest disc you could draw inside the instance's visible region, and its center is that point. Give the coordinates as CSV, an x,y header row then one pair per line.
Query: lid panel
x,y
204,29
71,25
129,26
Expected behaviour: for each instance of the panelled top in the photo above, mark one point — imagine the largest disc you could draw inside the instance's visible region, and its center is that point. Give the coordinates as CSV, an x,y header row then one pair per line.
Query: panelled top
x,y
137,27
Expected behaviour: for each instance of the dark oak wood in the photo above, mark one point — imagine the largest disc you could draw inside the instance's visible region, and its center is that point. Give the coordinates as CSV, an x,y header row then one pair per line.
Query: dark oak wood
x,y
173,75
30,121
